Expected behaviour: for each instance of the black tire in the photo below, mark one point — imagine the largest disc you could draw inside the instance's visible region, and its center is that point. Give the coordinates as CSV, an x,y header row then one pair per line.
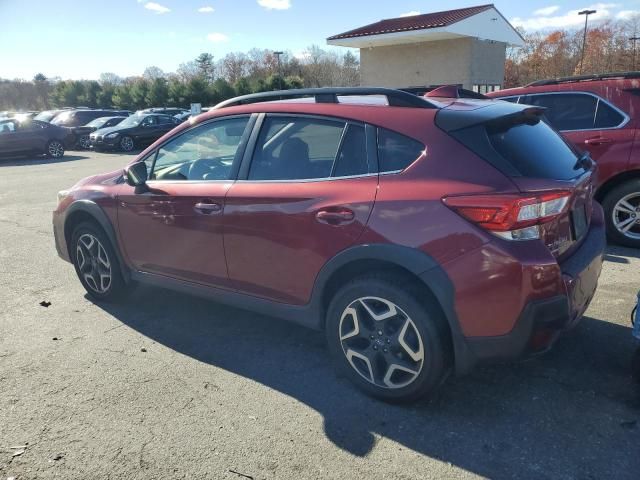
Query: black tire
x,y
126,143
609,203
429,324
55,149
116,287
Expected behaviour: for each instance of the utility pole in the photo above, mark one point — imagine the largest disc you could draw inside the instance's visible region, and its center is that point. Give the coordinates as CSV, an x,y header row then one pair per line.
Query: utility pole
x,y
586,14
277,54
634,40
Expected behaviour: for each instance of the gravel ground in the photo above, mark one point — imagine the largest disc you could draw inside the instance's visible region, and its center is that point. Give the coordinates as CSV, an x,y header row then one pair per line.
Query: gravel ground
x,y
170,386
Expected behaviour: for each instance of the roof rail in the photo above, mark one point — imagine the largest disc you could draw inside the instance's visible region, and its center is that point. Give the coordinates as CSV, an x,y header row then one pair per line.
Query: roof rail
x,y
584,78
395,98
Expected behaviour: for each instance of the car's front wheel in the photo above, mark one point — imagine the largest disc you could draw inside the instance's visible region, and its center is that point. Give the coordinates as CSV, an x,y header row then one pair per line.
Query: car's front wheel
x,y
389,340
126,143
55,149
96,263
622,210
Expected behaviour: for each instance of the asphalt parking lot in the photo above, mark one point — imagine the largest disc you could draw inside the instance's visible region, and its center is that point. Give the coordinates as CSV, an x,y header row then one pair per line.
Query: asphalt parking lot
x,y
170,386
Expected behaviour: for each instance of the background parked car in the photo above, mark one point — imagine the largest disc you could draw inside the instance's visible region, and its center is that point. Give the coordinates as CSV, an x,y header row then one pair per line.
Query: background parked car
x,y
165,110
597,114
135,131
80,117
81,134
32,136
48,115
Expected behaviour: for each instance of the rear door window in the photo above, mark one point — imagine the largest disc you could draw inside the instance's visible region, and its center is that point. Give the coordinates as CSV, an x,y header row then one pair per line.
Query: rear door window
x,y
566,111
296,148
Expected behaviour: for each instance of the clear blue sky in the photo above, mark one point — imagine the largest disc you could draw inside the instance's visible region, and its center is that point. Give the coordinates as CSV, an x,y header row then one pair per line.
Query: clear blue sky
x,y
82,38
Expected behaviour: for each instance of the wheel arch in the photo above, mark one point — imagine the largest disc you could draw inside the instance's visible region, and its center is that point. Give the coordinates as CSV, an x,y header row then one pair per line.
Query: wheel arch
x,y
89,211
615,181
413,264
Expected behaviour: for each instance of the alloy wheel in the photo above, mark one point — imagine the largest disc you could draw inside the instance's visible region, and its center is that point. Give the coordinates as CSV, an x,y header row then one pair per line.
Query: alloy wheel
x,y
93,263
84,142
126,143
55,149
626,216
381,342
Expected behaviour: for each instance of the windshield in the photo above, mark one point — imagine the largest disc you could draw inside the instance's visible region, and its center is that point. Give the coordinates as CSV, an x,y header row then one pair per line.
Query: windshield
x,y
46,116
98,122
132,121
61,118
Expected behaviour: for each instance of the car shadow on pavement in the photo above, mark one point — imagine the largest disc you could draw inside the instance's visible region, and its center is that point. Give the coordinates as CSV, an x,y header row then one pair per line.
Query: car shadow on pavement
x,y
572,413
617,254
19,161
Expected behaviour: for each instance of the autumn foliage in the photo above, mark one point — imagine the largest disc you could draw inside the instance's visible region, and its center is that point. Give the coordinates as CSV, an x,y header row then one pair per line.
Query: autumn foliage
x,y
609,48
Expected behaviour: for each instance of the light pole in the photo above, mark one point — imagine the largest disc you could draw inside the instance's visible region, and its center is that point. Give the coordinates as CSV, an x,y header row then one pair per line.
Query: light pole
x,y
586,14
277,54
634,40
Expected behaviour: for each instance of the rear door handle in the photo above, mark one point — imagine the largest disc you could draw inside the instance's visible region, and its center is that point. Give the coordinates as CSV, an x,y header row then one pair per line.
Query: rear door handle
x,y
336,217
598,141
206,208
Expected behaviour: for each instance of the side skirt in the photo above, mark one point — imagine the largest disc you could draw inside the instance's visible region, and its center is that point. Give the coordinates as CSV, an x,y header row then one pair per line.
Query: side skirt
x,y
306,316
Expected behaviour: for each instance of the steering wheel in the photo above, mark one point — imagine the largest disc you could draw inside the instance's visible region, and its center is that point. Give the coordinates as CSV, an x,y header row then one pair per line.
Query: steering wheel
x,y
204,166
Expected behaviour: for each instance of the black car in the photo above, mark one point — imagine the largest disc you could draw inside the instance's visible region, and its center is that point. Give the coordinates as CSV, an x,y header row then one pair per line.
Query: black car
x,y
81,134
32,136
163,110
82,116
135,131
48,115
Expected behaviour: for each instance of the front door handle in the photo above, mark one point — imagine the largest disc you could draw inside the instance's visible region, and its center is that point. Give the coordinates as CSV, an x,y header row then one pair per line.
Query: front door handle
x,y
336,217
598,141
207,208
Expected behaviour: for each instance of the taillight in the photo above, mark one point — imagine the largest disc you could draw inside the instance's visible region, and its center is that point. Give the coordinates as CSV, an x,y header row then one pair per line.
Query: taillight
x,y
509,216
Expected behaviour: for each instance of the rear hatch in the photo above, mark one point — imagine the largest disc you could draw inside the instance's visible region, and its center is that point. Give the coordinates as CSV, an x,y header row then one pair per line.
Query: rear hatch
x,y
555,181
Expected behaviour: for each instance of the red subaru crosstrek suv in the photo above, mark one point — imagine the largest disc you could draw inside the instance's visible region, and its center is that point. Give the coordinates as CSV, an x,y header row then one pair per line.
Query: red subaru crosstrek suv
x,y
597,113
422,234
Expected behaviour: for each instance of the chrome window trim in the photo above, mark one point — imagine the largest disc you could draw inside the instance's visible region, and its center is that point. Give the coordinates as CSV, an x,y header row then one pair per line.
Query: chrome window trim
x,y
625,121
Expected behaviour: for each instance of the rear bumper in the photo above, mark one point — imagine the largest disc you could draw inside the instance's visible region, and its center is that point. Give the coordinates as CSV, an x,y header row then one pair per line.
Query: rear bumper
x,y
542,321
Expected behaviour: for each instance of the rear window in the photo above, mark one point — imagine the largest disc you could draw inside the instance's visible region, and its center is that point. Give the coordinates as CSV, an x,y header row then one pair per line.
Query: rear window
x,y
535,150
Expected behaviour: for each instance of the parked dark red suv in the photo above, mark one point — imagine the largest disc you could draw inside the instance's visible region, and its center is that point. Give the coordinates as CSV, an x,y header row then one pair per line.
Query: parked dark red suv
x,y
596,113
422,234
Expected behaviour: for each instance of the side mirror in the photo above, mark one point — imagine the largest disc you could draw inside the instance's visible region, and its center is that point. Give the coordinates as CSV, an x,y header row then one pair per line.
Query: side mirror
x,y
136,174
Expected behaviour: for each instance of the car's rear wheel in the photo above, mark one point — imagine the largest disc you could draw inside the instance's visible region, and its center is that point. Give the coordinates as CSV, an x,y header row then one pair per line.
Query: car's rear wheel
x,y
55,149
622,211
126,143
387,338
84,142
96,263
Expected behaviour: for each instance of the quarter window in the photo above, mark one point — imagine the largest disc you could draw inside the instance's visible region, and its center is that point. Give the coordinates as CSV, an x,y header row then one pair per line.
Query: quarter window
x,y
607,116
207,152
396,152
297,148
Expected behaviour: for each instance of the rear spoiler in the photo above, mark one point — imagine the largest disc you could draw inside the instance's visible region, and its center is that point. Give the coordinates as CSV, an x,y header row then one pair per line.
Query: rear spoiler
x,y
494,112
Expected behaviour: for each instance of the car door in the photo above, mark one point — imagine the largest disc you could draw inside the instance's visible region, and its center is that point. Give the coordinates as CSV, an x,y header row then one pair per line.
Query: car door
x,y
166,123
174,226
304,195
590,123
8,136
147,131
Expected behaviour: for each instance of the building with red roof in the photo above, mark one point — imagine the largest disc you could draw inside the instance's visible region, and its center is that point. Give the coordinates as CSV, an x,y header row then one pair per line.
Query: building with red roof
x,y
466,47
